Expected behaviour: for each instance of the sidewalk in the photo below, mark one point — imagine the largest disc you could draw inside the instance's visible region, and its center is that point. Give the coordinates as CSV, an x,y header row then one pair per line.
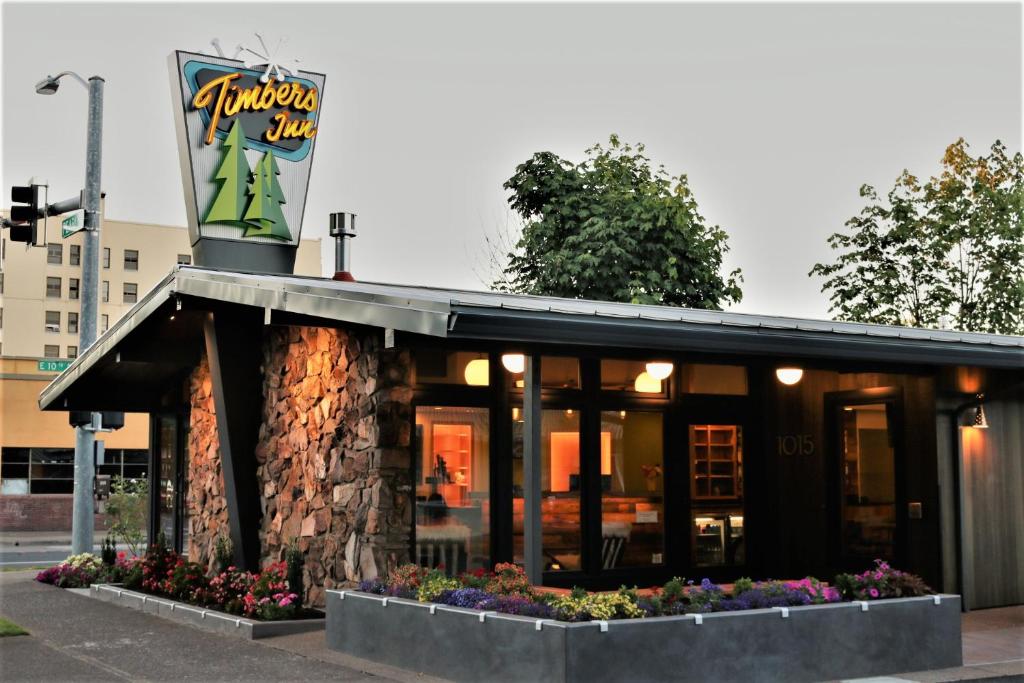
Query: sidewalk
x,y
75,637
22,539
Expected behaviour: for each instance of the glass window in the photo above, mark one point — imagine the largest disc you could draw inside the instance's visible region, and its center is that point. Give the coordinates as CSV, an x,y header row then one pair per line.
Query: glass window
x,y
131,259
55,254
1,283
556,372
53,287
1,318
105,291
52,470
104,323
131,292
73,288
106,257
869,482
696,378
72,352
75,254
632,489
453,506
72,322
51,351
716,463
184,259
560,489
53,321
14,470
633,376
452,367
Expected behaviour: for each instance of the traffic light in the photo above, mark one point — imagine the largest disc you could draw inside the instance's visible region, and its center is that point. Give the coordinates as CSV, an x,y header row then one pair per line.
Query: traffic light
x,y
108,420
25,205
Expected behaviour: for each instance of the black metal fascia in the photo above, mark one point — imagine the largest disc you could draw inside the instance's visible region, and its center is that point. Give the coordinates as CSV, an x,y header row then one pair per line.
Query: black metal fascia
x,y
639,333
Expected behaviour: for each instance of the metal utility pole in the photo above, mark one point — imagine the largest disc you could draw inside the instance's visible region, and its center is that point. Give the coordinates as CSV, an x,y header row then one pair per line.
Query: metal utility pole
x,y
85,436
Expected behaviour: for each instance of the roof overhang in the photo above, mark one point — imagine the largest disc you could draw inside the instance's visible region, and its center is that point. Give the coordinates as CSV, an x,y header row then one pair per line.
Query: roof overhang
x,y
161,337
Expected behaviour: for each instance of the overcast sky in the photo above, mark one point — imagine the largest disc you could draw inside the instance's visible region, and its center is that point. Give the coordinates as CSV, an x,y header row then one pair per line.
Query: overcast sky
x,y
778,113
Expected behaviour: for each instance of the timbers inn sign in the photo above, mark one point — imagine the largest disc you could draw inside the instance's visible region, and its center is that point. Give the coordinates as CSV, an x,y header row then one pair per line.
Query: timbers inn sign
x,y
246,138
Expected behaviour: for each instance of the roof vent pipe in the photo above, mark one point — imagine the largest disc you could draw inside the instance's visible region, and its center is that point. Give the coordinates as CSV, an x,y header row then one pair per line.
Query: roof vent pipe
x,y
343,229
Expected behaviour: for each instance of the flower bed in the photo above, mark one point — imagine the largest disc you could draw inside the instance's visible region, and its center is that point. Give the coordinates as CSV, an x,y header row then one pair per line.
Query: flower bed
x,y
493,626
263,596
506,590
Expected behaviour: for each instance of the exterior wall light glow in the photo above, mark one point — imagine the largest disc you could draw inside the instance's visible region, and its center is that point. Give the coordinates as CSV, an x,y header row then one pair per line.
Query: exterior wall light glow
x,y
659,370
514,362
645,384
980,421
478,373
789,376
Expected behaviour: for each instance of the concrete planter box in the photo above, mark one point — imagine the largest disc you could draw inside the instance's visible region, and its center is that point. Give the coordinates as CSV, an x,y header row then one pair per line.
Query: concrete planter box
x,y
208,619
812,643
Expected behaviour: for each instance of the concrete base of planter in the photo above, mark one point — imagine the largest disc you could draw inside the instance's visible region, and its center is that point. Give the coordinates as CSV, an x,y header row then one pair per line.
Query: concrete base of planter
x,y
208,619
812,643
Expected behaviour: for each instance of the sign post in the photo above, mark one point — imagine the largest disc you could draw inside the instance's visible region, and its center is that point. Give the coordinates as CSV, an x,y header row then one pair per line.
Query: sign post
x,y
246,135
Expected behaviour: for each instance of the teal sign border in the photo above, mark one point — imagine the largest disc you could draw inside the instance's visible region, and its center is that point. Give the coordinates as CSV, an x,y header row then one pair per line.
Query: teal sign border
x,y
193,67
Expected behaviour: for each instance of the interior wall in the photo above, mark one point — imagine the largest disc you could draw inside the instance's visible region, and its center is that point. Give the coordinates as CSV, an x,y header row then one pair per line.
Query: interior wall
x,y
993,506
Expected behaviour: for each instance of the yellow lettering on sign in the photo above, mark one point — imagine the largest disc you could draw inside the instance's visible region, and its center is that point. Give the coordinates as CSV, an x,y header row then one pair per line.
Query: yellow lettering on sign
x,y
229,99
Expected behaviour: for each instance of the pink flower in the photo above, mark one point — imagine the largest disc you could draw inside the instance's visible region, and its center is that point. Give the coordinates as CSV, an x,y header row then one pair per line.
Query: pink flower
x,y
873,592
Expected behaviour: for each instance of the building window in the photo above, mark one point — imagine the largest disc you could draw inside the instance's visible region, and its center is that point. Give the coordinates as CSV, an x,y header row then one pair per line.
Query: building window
x,y
560,488
452,488
51,351
1,318
131,292
632,376
53,321
106,291
72,288
632,489
72,322
452,367
106,257
75,255
55,254
184,259
131,259
1,282
72,352
104,323
53,287
696,378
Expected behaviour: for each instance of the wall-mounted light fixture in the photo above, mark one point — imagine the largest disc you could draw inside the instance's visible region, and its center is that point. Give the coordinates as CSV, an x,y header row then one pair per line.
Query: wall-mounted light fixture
x,y
514,362
789,376
645,384
477,373
659,370
980,421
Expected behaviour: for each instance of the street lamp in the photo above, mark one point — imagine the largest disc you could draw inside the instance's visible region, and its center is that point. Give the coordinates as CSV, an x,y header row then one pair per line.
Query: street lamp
x,y
85,437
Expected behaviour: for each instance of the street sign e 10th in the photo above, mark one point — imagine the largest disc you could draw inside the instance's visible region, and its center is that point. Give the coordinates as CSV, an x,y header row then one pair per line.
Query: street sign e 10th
x,y
72,223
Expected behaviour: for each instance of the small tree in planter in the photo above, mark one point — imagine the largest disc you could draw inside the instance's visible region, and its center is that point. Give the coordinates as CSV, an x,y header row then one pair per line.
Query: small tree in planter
x,y
296,560
223,553
127,511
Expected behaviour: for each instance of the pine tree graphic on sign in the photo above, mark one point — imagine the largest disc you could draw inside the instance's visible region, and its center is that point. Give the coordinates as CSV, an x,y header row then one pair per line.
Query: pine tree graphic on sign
x,y
264,217
232,174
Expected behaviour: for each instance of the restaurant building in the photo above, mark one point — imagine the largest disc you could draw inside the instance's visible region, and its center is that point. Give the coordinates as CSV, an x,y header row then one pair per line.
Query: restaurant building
x,y
597,443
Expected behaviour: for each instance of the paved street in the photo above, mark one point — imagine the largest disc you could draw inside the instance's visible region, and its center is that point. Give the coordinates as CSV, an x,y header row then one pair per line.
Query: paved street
x,y
77,638
32,549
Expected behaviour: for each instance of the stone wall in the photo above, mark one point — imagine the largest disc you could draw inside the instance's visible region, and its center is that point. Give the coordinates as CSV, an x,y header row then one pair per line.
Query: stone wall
x,y
333,456
207,507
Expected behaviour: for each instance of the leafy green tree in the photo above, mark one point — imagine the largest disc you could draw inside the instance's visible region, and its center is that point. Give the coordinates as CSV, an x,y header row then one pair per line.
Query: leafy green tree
x,y
264,216
127,511
948,252
611,228
232,174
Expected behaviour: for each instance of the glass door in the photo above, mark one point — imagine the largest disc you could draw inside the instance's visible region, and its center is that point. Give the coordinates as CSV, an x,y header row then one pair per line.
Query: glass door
x,y
868,479
716,495
167,485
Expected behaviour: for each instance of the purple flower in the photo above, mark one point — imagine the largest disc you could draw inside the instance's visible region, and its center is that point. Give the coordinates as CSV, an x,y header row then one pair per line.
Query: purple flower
x,y
463,597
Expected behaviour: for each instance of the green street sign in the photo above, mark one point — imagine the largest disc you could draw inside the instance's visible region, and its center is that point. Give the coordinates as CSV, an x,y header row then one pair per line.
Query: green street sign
x,y
72,223
53,365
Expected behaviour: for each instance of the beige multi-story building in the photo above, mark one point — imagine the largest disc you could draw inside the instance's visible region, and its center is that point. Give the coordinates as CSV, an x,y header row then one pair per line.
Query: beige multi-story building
x,y
41,286
40,317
